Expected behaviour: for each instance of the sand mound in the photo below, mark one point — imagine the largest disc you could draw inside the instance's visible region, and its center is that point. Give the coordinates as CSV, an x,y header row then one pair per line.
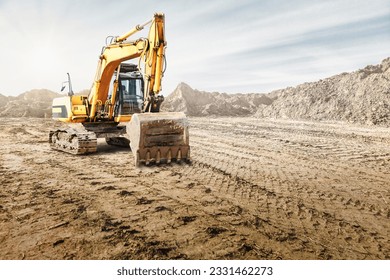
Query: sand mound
x,y
362,96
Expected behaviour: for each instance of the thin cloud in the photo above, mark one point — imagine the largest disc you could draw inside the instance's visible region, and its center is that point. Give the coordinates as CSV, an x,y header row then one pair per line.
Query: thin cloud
x,y
231,46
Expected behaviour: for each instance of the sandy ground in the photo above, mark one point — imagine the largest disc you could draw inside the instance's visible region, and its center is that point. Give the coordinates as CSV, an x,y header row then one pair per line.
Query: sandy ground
x,y
256,189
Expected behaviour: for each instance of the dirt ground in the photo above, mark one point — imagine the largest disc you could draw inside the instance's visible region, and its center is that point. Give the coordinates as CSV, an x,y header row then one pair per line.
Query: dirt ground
x,y
256,189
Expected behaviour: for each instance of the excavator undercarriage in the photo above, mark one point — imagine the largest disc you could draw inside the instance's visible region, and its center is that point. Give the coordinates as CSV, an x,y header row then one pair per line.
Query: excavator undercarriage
x,y
153,138
73,141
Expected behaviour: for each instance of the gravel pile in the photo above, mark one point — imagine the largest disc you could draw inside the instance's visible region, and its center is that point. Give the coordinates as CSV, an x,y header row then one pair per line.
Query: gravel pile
x,y
362,97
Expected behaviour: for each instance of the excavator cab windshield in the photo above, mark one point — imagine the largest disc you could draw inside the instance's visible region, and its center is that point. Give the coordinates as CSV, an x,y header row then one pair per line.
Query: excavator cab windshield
x,y
130,93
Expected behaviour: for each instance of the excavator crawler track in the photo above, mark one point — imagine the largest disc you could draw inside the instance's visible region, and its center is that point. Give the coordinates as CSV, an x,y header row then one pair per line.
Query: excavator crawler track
x,y
118,141
73,141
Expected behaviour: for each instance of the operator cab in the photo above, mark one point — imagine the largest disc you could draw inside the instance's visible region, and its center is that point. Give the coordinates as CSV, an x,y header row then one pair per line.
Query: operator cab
x,y
129,91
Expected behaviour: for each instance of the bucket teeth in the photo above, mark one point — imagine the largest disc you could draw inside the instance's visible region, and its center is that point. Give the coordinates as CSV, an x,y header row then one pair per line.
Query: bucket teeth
x,y
147,160
158,157
136,160
178,157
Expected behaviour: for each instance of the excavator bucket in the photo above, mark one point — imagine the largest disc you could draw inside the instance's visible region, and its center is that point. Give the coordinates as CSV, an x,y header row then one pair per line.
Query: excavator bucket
x,y
159,137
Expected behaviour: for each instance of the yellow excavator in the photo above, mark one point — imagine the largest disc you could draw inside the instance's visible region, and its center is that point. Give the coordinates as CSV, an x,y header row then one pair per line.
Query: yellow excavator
x,y
123,105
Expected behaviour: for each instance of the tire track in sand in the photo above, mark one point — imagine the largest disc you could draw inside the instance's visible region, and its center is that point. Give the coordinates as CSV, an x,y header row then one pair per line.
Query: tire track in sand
x,y
315,200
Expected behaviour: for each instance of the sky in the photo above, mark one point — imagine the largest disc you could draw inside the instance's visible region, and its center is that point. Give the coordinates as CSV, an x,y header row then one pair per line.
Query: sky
x,y
228,46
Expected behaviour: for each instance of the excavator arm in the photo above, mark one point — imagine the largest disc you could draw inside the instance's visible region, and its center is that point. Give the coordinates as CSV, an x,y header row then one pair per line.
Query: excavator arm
x,y
151,50
109,61
154,63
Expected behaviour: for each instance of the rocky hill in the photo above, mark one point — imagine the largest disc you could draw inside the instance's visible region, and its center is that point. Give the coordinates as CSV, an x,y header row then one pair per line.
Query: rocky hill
x,y
362,96
3,100
200,103
34,103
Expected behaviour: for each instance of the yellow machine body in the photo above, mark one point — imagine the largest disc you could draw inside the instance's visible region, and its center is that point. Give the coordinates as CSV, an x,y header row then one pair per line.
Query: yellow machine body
x,y
110,104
